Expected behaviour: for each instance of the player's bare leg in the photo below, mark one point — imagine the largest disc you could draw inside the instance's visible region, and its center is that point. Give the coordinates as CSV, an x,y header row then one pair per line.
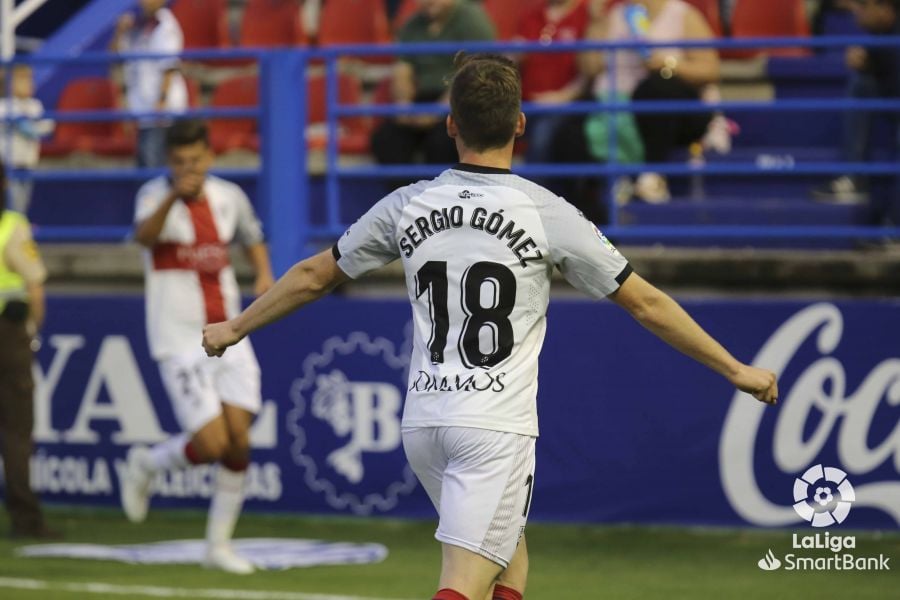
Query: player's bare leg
x,y
510,584
466,573
228,496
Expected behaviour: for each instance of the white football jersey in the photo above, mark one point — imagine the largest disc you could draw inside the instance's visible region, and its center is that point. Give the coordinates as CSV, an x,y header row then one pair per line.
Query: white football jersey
x,y
189,278
478,246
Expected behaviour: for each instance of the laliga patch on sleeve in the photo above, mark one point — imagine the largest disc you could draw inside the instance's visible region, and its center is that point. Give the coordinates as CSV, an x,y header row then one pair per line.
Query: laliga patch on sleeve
x,y
605,241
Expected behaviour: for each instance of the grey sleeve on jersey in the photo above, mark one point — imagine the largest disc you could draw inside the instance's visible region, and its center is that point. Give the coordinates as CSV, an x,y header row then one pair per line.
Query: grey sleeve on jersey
x,y
581,252
371,242
149,197
249,229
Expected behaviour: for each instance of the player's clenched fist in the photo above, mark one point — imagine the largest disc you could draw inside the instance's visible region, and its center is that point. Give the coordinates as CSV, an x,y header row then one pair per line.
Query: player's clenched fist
x,y
217,337
759,383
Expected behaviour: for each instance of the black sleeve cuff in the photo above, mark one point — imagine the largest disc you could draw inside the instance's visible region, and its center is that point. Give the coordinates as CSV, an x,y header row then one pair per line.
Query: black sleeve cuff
x,y
335,252
625,274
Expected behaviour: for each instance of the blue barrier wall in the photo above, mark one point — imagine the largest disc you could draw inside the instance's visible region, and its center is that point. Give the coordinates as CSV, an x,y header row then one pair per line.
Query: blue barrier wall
x,y
630,430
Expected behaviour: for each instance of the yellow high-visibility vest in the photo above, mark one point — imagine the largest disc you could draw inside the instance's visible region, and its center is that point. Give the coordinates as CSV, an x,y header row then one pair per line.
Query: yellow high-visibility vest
x,y
12,286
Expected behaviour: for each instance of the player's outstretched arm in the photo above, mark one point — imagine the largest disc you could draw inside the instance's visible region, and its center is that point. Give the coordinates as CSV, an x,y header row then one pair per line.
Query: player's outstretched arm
x,y
305,282
659,313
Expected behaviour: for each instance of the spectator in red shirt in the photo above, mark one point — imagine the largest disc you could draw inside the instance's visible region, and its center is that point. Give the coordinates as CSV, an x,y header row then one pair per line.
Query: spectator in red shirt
x,y
551,77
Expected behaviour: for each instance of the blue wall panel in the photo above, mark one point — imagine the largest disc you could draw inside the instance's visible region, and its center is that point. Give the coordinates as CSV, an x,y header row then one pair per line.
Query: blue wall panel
x,y
630,430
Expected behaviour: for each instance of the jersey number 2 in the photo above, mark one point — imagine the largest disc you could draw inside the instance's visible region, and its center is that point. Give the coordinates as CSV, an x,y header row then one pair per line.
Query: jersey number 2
x,y
501,289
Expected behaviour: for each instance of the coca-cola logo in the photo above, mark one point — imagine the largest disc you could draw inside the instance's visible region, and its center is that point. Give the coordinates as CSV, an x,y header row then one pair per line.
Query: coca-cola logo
x,y
820,396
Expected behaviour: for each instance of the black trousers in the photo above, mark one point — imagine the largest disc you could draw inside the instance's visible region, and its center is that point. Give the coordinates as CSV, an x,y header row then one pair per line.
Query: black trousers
x,y
569,145
664,132
16,423
394,143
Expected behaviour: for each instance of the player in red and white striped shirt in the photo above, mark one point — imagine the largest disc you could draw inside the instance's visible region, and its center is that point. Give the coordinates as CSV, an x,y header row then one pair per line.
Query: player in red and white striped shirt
x,y
186,220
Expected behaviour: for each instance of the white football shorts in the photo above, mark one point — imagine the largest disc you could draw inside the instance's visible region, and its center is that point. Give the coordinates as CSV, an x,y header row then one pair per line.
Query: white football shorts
x,y
198,385
479,481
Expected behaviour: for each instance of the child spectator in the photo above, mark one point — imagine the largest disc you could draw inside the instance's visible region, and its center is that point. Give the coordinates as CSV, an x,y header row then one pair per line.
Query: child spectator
x,y
20,141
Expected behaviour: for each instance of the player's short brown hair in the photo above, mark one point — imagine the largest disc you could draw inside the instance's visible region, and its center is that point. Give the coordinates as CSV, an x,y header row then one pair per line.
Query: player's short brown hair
x,y
185,132
485,100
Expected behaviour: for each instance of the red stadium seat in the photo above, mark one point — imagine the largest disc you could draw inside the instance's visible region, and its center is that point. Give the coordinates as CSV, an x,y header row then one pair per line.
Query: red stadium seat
x,y
243,134
106,138
233,134
354,132
272,23
710,10
203,22
769,18
354,22
506,14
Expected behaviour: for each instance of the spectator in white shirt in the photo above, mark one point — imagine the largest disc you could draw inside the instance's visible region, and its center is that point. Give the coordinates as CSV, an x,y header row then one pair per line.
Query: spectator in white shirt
x,y
152,85
20,140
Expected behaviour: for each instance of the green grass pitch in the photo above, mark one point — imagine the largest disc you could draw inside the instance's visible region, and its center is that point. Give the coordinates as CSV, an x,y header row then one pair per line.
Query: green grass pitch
x,y
567,562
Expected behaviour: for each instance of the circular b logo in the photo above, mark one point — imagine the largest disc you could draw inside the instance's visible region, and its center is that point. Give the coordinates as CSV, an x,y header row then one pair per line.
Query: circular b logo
x,y
346,423
823,496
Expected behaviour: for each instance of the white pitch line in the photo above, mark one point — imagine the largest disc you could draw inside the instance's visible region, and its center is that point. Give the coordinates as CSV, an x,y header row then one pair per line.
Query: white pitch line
x,y
167,592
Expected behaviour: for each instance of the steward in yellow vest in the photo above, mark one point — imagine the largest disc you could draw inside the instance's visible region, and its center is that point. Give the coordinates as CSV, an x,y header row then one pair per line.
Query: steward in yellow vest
x,y
22,277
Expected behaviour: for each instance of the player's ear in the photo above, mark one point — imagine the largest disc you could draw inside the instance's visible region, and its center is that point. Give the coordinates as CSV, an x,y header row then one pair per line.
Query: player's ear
x,y
452,129
520,125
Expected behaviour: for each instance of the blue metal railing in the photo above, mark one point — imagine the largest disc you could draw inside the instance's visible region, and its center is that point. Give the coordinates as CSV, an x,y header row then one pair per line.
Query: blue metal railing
x,y
612,169
285,189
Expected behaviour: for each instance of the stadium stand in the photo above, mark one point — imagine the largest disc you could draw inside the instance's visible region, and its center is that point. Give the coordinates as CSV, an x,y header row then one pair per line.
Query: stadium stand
x,y
353,22
203,22
103,138
271,24
774,140
227,135
235,134
710,10
506,15
354,132
769,18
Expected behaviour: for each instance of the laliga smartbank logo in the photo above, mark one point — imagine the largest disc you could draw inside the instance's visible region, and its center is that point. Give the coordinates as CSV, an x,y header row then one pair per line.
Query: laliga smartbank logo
x,y
823,497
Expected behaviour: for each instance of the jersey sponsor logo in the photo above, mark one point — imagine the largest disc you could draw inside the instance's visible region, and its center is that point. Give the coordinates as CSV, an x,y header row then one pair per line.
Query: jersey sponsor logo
x,y
466,194
202,258
466,382
347,407
816,409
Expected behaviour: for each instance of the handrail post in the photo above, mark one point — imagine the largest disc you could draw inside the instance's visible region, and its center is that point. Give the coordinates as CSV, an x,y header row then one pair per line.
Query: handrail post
x,y
332,183
282,125
612,207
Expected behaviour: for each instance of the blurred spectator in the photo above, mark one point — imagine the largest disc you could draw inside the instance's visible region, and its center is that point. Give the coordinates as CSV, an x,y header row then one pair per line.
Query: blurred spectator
x,y
875,73
828,9
551,77
20,141
660,74
421,77
151,85
22,277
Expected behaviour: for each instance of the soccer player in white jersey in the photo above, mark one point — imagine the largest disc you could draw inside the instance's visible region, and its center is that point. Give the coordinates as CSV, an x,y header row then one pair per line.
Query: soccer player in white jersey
x,y
186,220
478,245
